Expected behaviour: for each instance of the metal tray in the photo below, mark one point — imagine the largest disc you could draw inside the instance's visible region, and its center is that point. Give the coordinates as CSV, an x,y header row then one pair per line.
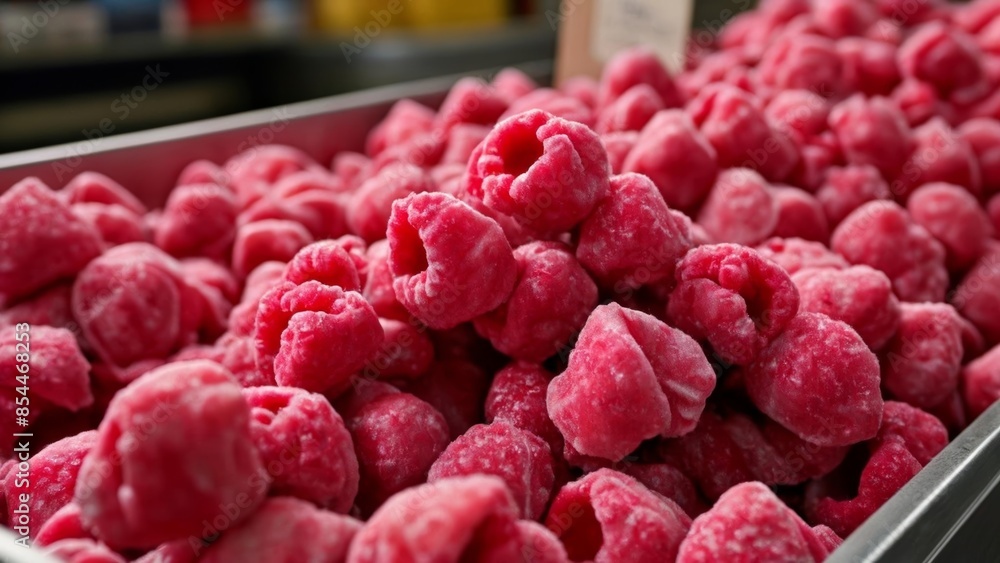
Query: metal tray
x,y
949,512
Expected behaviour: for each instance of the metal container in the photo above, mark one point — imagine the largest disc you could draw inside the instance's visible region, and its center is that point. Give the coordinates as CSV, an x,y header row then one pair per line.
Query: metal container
x,y
949,512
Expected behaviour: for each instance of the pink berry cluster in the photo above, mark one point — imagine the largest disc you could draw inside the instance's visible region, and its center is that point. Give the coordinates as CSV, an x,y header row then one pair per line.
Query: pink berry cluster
x,y
718,316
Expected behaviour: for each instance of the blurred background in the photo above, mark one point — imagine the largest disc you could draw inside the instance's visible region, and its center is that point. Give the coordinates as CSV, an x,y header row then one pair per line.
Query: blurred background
x,y
75,69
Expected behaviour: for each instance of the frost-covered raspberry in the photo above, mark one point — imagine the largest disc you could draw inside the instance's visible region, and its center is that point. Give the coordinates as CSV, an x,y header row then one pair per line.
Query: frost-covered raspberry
x,y
267,240
371,204
860,296
874,132
796,254
327,262
740,209
978,294
405,119
799,215
198,220
94,187
939,155
517,397
981,382
954,217
848,188
802,61
630,67
631,111
920,365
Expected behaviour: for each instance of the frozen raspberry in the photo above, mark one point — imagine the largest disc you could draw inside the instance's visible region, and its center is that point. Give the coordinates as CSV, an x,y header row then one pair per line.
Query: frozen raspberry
x,y
351,167
304,446
321,210
311,180
457,388
555,103
669,482
378,285
800,215
911,14
512,83
462,141
800,114
848,188
517,397
260,280
750,523
371,204
981,382
629,378
836,406
41,239
740,208
285,529
993,210
424,150
874,132
405,119
634,66
631,111
881,234
922,362
314,336
132,304
58,371
460,519
583,88
717,66
406,353
93,187
203,172
450,263
802,62
939,155
742,137
212,274
859,296
148,480
254,170
520,458
232,351
470,101
920,433
732,297
396,438
795,254
63,524
50,307
608,516
263,241
978,294
52,474
983,136
82,551
546,172
551,300
115,224
676,157
179,551
869,65
619,145
844,18
325,261
816,158
540,545
952,216
943,56
198,220
919,102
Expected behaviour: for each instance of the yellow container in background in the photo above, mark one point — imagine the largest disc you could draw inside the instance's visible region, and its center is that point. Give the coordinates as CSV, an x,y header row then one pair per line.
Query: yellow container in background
x,y
345,15
436,13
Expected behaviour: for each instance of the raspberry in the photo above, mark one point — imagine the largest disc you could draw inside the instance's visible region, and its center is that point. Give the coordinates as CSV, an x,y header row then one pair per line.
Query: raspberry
x,y
304,446
325,261
450,263
54,472
50,307
836,406
922,362
551,300
59,373
115,224
942,56
307,197
676,157
953,217
981,382
457,388
263,241
614,242
371,204
742,137
470,101
388,425
406,119
869,65
843,18
631,111
799,215
63,524
794,255
859,296
554,103
848,188
93,187
583,88
629,378
520,458
634,66
463,519
882,235
512,84
211,274
749,523
173,447
608,516
803,62
406,353
378,285
993,210
983,137
203,172
41,239
286,529
939,155
254,170
260,280
619,145
546,172
977,295
82,551
816,158
233,352
462,141
800,114
920,433
198,220
740,208
351,168
873,132
732,297
314,336
668,481
517,397
540,544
